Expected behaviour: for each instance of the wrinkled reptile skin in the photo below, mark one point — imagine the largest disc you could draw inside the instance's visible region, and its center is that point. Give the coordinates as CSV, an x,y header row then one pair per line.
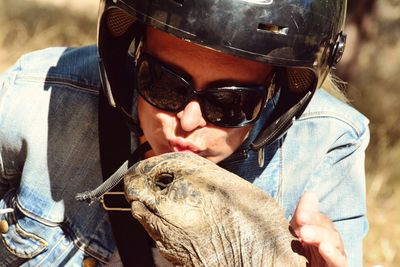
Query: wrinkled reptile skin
x,y
202,215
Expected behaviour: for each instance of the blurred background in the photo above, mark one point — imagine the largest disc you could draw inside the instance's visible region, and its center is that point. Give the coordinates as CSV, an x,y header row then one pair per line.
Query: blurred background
x,y
370,66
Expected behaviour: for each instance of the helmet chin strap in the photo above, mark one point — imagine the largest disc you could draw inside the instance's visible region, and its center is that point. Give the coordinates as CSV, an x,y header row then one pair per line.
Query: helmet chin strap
x,y
277,126
280,123
292,100
95,194
130,122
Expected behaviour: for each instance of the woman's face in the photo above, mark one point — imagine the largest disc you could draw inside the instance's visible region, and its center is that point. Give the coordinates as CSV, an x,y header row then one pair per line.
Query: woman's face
x,y
187,130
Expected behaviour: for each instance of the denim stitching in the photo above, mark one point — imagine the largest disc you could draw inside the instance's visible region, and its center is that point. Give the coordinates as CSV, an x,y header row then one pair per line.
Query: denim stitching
x,y
83,245
333,115
55,246
41,243
49,80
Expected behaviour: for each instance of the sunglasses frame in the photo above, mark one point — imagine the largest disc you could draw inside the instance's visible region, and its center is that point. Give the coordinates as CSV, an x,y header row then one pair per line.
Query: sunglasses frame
x,y
197,94
119,196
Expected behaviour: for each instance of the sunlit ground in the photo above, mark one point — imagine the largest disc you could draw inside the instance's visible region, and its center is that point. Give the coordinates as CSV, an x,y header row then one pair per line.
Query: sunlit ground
x,y
27,25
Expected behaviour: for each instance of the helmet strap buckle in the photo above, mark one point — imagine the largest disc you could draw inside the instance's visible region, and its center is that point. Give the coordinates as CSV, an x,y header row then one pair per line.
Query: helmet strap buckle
x,y
338,50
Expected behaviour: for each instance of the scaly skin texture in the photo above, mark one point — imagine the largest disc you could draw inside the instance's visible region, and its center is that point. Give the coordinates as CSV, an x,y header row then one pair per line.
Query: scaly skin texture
x,y
202,215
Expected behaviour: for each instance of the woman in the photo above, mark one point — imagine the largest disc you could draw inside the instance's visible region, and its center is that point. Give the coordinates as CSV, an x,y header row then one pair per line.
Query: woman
x,y
233,81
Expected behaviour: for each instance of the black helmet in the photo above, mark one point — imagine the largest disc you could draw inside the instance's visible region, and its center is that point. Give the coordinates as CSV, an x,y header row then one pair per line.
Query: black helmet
x,y
302,39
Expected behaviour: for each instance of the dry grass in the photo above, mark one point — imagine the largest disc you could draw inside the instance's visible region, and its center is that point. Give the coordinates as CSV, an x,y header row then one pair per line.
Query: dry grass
x,y
34,24
382,243
27,25
375,91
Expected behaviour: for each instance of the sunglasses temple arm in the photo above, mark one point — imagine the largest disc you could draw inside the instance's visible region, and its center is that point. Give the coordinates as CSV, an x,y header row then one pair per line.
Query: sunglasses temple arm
x,y
107,185
115,178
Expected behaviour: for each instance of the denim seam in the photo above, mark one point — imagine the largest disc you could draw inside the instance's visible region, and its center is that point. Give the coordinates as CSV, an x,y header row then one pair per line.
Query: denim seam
x,y
43,243
67,249
93,89
34,216
55,246
2,171
280,183
10,173
20,231
5,88
81,245
4,94
75,239
86,249
354,146
333,115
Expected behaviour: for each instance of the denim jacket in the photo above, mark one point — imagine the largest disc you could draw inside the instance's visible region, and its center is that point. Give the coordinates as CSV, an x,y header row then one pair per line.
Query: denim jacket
x,y
49,151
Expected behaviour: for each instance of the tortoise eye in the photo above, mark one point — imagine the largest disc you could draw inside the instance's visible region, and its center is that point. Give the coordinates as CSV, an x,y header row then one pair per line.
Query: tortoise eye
x,y
163,180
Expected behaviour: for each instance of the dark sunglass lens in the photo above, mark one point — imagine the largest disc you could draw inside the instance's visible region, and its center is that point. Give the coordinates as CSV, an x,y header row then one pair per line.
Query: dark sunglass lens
x,y
160,87
232,107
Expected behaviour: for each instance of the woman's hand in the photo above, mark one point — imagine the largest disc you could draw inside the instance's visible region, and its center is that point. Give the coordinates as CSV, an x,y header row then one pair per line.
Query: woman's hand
x,y
321,242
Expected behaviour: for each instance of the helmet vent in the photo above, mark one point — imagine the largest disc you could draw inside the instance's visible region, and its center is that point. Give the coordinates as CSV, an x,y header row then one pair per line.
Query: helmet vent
x,y
265,27
300,80
118,21
179,2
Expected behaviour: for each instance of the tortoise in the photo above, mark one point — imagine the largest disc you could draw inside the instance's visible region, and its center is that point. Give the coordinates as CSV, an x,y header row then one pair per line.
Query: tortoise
x,y
200,214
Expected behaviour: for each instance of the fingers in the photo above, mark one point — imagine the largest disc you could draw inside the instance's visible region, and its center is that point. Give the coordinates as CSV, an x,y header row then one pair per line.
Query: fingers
x,y
317,233
308,203
307,213
332,256
314,227
316,218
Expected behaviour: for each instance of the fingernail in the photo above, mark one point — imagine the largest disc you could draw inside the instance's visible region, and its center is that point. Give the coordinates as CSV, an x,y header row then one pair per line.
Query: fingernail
x,y
307,233
304,217
327,248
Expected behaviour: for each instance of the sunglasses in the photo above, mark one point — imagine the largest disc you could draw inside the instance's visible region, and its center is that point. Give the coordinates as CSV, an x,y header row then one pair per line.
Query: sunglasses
x,y
170,90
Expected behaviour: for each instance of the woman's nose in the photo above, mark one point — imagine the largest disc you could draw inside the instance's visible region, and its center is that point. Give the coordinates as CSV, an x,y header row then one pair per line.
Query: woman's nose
x,y
191,117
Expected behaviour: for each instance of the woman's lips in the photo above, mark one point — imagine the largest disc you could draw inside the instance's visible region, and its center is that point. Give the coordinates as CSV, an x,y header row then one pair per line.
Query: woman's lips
x,y
179,146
